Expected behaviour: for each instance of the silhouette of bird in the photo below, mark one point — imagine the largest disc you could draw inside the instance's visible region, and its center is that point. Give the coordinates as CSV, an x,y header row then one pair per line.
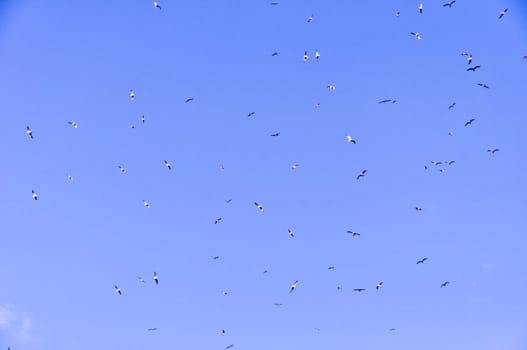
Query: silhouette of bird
x,y
251,114
502,13
143,119
359,289
452,105
387,100
290,232
189,99
449,4
361,174
350,139
393,329
232,345
352,233
132,95
305,56
493,150
274,54
473,69
418,209
310,19
397,14
217,221
331,87
469,59
121,169
420,8
470,122
215,257
152,329
450,162
146,204
444,284
317,55
276,134
29,132
421,261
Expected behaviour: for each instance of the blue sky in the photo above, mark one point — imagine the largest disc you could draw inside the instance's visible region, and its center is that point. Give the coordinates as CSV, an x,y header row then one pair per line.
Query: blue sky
x,y
61,255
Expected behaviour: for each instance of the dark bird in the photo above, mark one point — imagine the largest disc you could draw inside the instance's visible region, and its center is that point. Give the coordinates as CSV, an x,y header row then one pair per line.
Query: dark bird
x,y
450,162
132,93
387,100
352,233
310,18
379,285
436,163
470,122
473,69
276,134
305,56
251,114
525,57
274,3
416,34
259,206
118,290
397,14
73,124
278,304
418,209
29,132
156,5
215,257
420,8
393,329
484,85
168,165
189,99
293,286
290,232
444,284
350,139
152,329
331,268
274,54
361,174
317,55
34,195
295,166
421,261
217,221
493,150
502,13
452,105
146,204
469,59
143,119
155,278
359,289
121,169
228,200
449,4
222,332
230,346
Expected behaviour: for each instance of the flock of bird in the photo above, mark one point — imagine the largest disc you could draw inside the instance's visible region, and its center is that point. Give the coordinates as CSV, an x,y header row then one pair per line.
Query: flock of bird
x,y
348,138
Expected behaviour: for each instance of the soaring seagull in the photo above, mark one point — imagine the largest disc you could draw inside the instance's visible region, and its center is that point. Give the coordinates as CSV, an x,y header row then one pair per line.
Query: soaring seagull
x,y
421,8
470,122
146,204
449,4
359,289
155,278
484,85
189,99
421,261
493,150
317,55
132,95
473,69
29,132
305,56
353,233
416,34
34,195
118,290
121,169
379,285
259,206
452,105
502,13
444,284
73,124
156,5
293,286
361,174
350,139
168,165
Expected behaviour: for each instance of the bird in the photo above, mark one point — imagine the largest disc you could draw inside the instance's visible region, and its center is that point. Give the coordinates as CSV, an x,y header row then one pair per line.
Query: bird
x,y
121,169
469,59
73,124
444,284
70,178
331,87
152,329
132,95
290,232
156,5
473,69
34,195
436,162
493,150
470,122
397,14
452,105
143,119
361,174
305,56
379,285
421,8
251,114
146,204
317,55
224,292
265,271
352,233
295,166
29,132
293,286
217,221
393,329
230,346
339,288
416,34
450,133
141,279
450,162
228,200
278,304
118,290
359,289
350,139
310,18
449,4
421,261
484,85
259,206
155,278
525,57
274,54
274,3
222,332
386,101
276,134
189,99
168,165
215,257
222,168
502,13
418,209
331,268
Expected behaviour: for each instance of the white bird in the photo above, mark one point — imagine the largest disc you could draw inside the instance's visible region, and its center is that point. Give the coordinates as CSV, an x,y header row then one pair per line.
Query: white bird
x,y
317,55
34,195
70,178
331,87
397,14
73,124
118,290
293,286
157,6
29,132
416,34
168,165
155,278
143,119
502,13
290,232
305,56
350,139
121,169
295,166
421,8
223,292
310,18
146,204
259,206
379,285
132,95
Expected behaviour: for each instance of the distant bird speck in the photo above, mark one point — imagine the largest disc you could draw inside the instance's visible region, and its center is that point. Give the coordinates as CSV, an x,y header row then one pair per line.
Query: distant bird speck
x,y
34,195
444,284
132,95
493,150
502,13
157,6
470,122
189,99
29,132
449,4
146,204
361,174
259,206
421,261
73,124
379,285
155,277
118,290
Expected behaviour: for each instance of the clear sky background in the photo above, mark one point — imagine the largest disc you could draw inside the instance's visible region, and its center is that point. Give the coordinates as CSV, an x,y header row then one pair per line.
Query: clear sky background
x,y
61,256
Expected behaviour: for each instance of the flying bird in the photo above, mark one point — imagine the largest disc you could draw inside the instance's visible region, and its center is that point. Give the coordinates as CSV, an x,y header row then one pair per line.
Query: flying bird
x,y
132,95
416,34
361,174
217,221
331,87
259,206
189,99
421,261
331,268
290,232
274,3
379,285
34,195
146,204
156,5
469,59
274,54
121,169
317,55
310,18
143,119
397,14
293,286
359,289
118,290
352,233
421,8
141,279
251,114
449,4
152,329
473,69
493,150
215,257
436,162
228,200
230,346
452,105
70,178
387,100
484,85
393,329
155,278
29,132
444,284
276,134
350,139
73,124
418,209
305,56
295,166
224,292
470,122
502,13
168,165
222,332
450,162
278,304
